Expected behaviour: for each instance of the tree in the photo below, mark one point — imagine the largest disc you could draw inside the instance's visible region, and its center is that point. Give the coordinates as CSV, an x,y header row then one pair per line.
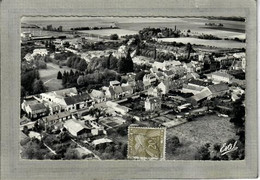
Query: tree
x,y
59,75
38,87
137,51
34,149
121,65
25,130
114,37
175,141
129,62
80,81
189,49
82,65
203,153
108,60
155,53
71,154
139,76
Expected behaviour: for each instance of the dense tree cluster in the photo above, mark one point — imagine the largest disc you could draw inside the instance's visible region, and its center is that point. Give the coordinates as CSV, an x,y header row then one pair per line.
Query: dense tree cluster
x,y
40,61
31,83
156,55
113,151
238,115
97,79
114,37
69,79
149,33
99,64
209,37
77,63
34,149
93,28
125,64
25,50
173,143
95,46
214,152
63,55
50,45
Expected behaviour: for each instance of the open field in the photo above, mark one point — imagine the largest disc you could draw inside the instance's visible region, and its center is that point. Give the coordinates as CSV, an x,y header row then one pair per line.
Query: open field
x,y
207,129
49,76
216,43
134,24
108,32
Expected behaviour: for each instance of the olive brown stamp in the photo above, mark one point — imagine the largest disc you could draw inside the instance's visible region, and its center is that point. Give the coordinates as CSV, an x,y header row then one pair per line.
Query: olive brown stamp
x,y
146,143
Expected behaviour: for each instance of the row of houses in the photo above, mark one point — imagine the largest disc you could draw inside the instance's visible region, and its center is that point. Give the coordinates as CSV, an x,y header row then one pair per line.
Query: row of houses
x,y
209,92
114,91
54,102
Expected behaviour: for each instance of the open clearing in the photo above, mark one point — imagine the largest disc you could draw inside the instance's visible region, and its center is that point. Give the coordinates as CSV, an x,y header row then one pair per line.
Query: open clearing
x,y
49,76
207,129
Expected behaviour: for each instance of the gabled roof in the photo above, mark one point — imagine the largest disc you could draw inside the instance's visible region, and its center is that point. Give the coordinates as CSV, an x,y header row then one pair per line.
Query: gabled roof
x,y
56,116
201,95
38,106
65,92
76,99
146,83
195,88
97,94
199,82
111,90
74,125
126,88
159,74
221,74
101,141
169,73
218,88
114,82
118,89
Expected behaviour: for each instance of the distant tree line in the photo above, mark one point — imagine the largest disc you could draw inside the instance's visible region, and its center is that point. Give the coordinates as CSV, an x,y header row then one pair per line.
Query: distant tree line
x,y
149,33
209,37
91,46
214,24
233,18
50,28
93,28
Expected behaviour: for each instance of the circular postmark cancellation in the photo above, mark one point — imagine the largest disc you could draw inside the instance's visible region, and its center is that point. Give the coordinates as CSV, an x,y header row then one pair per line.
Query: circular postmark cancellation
x,y
146,143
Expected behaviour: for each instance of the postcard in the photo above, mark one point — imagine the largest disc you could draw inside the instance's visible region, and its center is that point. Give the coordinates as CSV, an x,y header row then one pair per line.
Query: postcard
x,y
144,90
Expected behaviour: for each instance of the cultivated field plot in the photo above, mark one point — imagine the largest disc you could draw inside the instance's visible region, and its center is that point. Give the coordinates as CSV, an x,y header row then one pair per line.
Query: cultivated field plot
x,y
111,122
207,129
49,76
108,32
215,43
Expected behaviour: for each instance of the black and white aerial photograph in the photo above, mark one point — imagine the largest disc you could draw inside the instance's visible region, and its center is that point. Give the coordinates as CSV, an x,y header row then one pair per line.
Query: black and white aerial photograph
x,y
87,80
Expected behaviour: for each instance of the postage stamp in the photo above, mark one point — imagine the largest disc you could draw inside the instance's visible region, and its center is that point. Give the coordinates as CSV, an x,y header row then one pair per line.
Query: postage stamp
x,y
146,143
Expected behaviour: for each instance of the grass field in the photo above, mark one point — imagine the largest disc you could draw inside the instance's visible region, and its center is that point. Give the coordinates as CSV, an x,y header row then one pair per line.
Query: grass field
x,y
49,76
216,43
208,129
